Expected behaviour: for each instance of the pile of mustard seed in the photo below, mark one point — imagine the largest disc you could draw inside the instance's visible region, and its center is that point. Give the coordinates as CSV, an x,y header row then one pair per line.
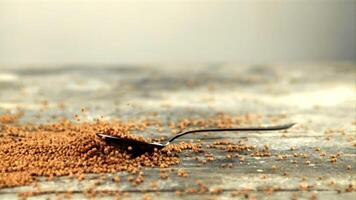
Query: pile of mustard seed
x,y
68,149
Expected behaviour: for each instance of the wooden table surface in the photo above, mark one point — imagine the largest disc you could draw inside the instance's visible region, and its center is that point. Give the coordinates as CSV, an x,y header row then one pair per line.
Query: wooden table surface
x,y
316,96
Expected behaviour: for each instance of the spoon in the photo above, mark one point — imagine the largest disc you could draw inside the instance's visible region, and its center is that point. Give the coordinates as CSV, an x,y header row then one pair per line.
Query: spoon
x,y
137,148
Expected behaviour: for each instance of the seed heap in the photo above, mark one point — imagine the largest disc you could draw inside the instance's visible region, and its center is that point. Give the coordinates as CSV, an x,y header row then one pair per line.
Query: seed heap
x,y
67,149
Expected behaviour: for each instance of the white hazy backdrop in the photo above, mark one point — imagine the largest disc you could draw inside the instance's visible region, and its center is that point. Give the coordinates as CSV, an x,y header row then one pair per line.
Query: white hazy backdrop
x,y
60,32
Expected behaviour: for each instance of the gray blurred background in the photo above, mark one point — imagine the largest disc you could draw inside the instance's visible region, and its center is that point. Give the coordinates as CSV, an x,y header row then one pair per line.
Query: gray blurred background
x,y
62,32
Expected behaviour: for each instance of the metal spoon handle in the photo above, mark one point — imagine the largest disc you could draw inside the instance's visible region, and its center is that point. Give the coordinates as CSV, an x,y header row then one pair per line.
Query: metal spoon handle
x,y
266,128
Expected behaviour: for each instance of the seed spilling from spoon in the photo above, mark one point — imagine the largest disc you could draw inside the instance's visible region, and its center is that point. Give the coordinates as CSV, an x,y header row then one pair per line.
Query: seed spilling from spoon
x,y
138,147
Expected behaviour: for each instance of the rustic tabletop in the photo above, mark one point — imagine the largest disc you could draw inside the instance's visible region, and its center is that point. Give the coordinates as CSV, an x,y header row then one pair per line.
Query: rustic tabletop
x,y
319,97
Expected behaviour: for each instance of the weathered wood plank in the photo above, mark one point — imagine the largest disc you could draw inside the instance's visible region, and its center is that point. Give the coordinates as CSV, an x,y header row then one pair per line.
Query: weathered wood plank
x,y
318,97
